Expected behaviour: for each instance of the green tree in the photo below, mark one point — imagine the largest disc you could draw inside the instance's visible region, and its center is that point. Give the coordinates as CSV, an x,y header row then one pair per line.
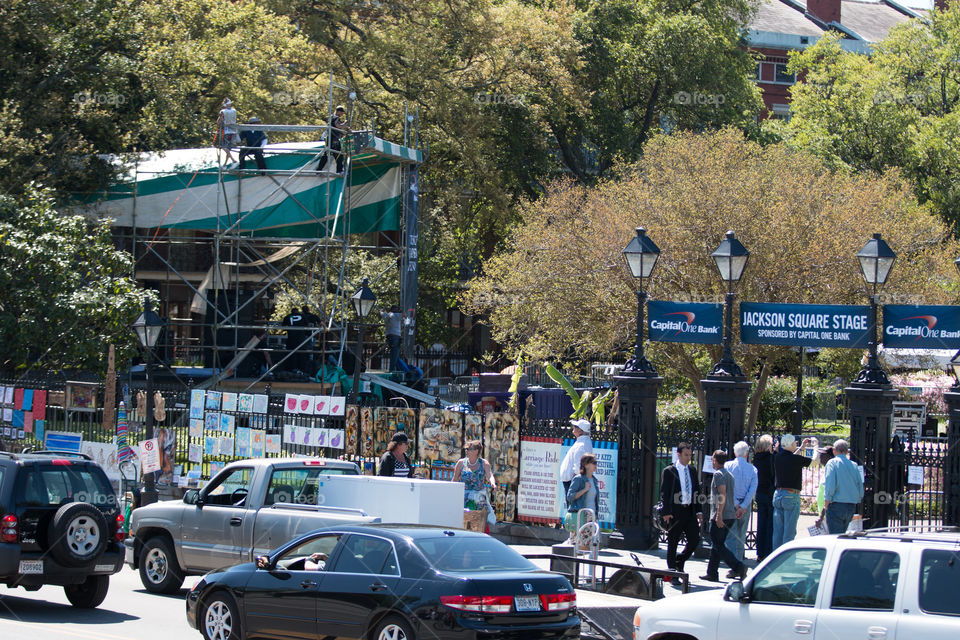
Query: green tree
x,y
559,286
65,292
896,108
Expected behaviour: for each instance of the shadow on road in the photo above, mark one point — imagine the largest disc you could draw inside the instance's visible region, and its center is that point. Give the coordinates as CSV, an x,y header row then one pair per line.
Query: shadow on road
x,y
179,595
28,610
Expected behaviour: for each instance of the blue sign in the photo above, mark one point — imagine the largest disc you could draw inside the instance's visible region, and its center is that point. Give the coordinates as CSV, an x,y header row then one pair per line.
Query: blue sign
x,y
696,322
805,325
921,327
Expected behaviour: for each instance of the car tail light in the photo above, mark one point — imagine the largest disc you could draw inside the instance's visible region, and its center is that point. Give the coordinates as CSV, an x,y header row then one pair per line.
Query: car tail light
x,y
479,604
315,463
120,535
558,601
62,463
8,528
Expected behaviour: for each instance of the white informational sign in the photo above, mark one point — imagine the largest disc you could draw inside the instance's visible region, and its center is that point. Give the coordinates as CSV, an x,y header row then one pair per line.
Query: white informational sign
x,y
908,418
537,493
708,464
915,475
150,455
105,454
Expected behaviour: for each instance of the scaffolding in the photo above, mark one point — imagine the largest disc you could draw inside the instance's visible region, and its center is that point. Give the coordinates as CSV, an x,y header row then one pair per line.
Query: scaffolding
x,y
289,226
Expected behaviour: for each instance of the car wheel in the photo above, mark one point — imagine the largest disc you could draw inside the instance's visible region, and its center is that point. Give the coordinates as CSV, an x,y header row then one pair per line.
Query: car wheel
x,y
392,628
89,593
77,534
159,570
220,619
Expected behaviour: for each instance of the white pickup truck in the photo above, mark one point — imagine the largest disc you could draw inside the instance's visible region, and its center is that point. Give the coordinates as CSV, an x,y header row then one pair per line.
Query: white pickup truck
x,y
254,506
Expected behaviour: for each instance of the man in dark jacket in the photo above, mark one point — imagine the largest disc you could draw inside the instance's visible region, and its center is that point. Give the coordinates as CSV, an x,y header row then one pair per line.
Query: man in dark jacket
x,y
680,494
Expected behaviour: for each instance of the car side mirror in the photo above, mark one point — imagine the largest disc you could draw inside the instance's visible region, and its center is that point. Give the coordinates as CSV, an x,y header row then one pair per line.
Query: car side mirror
x,y
192,496
736,592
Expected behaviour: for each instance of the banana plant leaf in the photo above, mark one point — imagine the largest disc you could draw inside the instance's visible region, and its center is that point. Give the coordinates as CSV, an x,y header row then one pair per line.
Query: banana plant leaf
x,y
567,386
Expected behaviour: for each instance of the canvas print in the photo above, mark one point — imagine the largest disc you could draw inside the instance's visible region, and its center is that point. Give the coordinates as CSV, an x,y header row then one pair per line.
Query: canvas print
x,y
243,442
229,401
196,428
227,422
257,437
260,403
273,443
213,401
212,421
197,402
245,403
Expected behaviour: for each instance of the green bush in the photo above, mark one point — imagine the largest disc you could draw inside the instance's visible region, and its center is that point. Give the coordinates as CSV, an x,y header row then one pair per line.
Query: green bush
x,y
681,414
777,400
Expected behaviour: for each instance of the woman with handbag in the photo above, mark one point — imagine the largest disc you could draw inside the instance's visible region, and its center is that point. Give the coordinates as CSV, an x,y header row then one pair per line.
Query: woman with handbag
x,y
583,494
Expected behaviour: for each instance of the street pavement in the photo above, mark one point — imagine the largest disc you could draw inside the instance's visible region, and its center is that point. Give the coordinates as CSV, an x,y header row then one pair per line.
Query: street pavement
x,y
129,611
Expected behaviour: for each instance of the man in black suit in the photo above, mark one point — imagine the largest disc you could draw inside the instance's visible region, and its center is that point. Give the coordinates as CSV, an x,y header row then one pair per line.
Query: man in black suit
x,y
680,494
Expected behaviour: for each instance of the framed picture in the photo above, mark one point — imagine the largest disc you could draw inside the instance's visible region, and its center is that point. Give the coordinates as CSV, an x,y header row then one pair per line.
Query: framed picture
x,y
81,396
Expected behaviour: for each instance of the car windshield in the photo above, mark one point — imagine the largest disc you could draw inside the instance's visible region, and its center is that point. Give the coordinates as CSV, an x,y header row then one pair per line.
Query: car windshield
x,y
460,554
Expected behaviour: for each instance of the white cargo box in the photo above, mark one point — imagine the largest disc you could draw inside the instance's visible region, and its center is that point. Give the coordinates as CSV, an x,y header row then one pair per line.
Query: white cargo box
x,y
396,500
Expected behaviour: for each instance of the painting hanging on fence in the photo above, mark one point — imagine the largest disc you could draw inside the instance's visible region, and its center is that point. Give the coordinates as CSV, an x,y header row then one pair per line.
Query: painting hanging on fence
x,y
352,429
81,396
366,432
440,436
472,427
502,448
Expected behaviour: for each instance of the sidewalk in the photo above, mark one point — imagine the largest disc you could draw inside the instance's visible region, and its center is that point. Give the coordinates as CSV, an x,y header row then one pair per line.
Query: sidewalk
x,y
656,559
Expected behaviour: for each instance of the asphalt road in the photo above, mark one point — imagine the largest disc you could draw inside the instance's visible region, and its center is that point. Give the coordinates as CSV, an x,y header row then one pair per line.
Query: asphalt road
x,y
128,613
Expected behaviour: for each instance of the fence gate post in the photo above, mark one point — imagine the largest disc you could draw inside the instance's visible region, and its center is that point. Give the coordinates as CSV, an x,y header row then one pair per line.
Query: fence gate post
x,y
951,463
637,460
870,410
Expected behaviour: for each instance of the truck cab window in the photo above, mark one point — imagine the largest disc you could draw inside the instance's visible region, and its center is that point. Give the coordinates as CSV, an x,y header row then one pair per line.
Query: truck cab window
x,y
229,489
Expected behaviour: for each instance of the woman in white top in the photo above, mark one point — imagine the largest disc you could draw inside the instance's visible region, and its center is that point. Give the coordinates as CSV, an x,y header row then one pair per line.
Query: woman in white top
x,y
475,473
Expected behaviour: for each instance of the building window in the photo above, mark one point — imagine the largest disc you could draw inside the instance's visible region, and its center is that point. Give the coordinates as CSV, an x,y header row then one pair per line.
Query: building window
x,y
774,71
784,76
780,112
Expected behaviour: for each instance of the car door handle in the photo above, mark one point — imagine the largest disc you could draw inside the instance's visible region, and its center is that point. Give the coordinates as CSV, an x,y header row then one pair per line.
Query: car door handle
x,y
877,633
236,521
802,626
377,586
308,584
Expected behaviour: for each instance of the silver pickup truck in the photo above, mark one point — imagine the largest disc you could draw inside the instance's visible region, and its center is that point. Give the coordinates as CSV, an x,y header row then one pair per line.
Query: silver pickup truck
x,y
248,509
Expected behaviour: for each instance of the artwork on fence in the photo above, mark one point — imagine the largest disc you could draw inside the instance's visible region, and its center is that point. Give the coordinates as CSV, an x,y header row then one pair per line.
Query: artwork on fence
x,y
366,432
229,401
352,429
242,442
167,441
81,396
105,454
440,436
245,403
272,443
213,401
260,403
537,493
502,448
257,437
196,428
197,403
195,453
386,422
472,427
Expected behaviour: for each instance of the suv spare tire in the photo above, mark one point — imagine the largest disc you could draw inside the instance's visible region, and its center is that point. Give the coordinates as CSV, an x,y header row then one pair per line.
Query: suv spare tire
x,y
77,534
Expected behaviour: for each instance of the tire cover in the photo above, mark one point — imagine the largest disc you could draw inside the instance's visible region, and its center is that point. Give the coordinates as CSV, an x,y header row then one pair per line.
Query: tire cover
x,y
59,544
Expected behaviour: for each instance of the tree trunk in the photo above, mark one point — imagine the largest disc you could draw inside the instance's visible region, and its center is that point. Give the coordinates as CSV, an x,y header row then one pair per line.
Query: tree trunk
x,y
761,384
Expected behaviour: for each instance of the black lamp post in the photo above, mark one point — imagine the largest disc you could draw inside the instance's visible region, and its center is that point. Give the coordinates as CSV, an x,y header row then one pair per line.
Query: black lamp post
x,y
876,259
362,301
951,467
637,387
641,255
147,327
731,259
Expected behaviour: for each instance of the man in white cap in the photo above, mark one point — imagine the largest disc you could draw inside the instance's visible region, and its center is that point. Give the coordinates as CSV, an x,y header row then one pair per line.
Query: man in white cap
x,y
227,128
570,466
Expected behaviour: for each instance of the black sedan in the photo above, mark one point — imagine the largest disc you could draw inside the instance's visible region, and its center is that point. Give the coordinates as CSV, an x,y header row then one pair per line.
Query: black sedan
x,y
382,582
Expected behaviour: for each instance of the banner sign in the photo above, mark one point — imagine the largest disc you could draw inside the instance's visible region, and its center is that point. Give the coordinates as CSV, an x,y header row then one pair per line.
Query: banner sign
x,y
538,491
921,327
805,325
694,322
606,476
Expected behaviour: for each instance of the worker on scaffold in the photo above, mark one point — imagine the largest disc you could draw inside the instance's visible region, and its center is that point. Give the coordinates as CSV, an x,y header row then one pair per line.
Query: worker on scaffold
x,y
338,127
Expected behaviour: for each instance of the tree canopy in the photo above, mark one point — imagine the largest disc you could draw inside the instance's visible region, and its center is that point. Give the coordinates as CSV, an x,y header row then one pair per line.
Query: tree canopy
x,y
896,108
559,286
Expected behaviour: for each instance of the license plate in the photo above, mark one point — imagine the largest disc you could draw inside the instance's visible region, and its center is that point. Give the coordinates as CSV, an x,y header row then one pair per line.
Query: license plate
x,y
527,603
103,567
31,566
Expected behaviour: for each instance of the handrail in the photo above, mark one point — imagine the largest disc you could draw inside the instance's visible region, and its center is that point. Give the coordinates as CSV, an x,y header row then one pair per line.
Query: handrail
x,y
605,564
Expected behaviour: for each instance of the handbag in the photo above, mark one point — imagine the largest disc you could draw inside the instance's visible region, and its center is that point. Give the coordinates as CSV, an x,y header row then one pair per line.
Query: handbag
x,y
658,520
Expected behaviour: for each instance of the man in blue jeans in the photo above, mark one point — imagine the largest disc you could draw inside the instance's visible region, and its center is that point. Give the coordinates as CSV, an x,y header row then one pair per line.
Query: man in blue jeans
x,y
842,490
788,468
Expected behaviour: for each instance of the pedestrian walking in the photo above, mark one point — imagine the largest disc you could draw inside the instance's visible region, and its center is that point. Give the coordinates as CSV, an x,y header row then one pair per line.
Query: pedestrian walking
x,y
788,468
395,462
583,494
843,489
763,463
680,497
722,517
744,488
582,445
476,474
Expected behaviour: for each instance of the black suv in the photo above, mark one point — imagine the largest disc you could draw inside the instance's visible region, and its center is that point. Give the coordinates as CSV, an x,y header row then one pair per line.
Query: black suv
x,y
61,525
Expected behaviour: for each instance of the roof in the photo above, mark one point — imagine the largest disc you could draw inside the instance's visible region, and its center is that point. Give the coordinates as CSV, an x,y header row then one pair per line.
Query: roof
x,y
871,21
776,17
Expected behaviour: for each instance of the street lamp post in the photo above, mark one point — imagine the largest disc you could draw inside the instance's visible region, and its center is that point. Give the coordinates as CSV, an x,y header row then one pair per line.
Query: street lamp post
x,y
147,327
725,389
641,256
870,398
637,388
362,301
951,471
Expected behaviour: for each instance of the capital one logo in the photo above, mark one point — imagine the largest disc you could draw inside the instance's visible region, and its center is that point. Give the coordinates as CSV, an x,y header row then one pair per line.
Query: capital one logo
x,y
920,331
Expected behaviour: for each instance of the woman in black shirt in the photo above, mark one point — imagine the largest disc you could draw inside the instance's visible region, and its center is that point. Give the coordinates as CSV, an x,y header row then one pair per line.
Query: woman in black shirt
x,y
395,462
